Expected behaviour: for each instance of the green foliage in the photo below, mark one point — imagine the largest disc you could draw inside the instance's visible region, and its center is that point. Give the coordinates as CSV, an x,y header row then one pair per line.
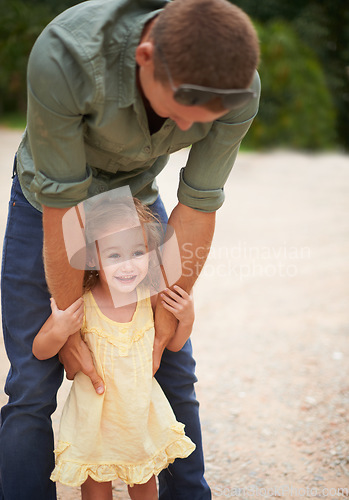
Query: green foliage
x,y
21,22
324,27
13,120
296,109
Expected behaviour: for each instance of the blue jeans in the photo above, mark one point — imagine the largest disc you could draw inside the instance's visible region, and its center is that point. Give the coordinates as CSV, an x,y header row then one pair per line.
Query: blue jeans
x,y
26,437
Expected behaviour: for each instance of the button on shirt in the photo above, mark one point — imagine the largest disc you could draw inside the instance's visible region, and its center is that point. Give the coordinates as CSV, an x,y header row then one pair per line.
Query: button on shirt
x,y
87,128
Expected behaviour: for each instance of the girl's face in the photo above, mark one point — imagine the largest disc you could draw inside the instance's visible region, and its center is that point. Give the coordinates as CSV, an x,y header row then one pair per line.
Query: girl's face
x,y
124,259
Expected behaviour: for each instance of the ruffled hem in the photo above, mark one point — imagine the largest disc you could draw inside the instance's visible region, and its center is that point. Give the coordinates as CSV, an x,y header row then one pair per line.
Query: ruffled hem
x,y
74,474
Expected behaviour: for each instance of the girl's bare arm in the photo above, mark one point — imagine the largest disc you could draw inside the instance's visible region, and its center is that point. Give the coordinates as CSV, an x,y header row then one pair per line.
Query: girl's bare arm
x,y
56,330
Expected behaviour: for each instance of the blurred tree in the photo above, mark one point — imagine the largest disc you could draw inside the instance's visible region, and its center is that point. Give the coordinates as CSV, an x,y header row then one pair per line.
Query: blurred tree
x,y
21,22
324,26
56,6
296,107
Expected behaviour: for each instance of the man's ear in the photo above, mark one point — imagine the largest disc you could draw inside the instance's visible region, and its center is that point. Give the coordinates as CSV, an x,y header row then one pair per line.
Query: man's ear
x,y
144,53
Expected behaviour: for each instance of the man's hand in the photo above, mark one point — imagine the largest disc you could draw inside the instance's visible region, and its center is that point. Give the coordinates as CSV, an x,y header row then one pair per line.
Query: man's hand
x,y
76,357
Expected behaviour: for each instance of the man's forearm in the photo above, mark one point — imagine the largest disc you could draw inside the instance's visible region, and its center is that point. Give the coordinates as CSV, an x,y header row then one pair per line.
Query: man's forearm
x,y
194,231
64,282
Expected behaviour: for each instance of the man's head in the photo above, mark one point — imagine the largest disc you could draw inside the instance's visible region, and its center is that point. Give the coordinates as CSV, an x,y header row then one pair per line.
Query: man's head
x,y
210,43
206,42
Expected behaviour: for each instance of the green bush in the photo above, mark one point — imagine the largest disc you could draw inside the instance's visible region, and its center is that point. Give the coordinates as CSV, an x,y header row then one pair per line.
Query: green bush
x,y
296,110
20,24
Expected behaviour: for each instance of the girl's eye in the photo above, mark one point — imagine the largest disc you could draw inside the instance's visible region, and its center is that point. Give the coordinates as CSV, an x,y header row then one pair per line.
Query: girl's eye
x,y
139,253
114,256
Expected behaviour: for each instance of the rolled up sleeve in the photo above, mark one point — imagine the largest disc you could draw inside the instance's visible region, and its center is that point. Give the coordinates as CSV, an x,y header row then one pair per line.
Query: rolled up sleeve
x,y
188,195
210,161
60,91
60,194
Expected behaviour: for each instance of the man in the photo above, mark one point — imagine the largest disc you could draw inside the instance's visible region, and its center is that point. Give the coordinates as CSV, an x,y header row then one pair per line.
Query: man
x,y
114,87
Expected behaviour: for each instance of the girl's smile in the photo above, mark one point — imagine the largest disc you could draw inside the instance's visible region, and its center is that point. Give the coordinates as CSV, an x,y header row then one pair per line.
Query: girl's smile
x,y
126,279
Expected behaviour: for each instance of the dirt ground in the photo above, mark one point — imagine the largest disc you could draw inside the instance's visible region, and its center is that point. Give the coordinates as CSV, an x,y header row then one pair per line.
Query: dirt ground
x,y
272,327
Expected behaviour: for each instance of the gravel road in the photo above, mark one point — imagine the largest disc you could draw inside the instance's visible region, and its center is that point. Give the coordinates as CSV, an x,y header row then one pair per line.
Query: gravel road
x,y
271,336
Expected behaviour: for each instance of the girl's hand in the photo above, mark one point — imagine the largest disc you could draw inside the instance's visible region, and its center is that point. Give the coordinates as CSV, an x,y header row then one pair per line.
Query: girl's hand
x,y
180,304
70,320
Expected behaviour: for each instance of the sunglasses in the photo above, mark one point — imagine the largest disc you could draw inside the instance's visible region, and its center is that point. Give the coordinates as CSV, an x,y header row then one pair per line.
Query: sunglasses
x,y
196,95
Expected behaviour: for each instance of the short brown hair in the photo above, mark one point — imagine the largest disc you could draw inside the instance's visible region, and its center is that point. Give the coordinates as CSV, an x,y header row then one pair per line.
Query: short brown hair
x,y
205,42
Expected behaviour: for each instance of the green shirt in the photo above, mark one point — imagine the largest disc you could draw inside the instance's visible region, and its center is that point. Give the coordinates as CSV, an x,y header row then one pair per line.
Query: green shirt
x,y
87,128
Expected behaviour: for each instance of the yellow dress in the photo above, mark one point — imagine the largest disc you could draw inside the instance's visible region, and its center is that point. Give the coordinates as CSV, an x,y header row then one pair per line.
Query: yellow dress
x,y
130,432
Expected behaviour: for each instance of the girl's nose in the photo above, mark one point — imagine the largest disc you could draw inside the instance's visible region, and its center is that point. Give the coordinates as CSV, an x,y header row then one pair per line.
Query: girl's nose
x,y
127,265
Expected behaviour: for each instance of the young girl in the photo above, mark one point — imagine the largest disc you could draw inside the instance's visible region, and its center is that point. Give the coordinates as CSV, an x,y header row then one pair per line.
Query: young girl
x,y
129,432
